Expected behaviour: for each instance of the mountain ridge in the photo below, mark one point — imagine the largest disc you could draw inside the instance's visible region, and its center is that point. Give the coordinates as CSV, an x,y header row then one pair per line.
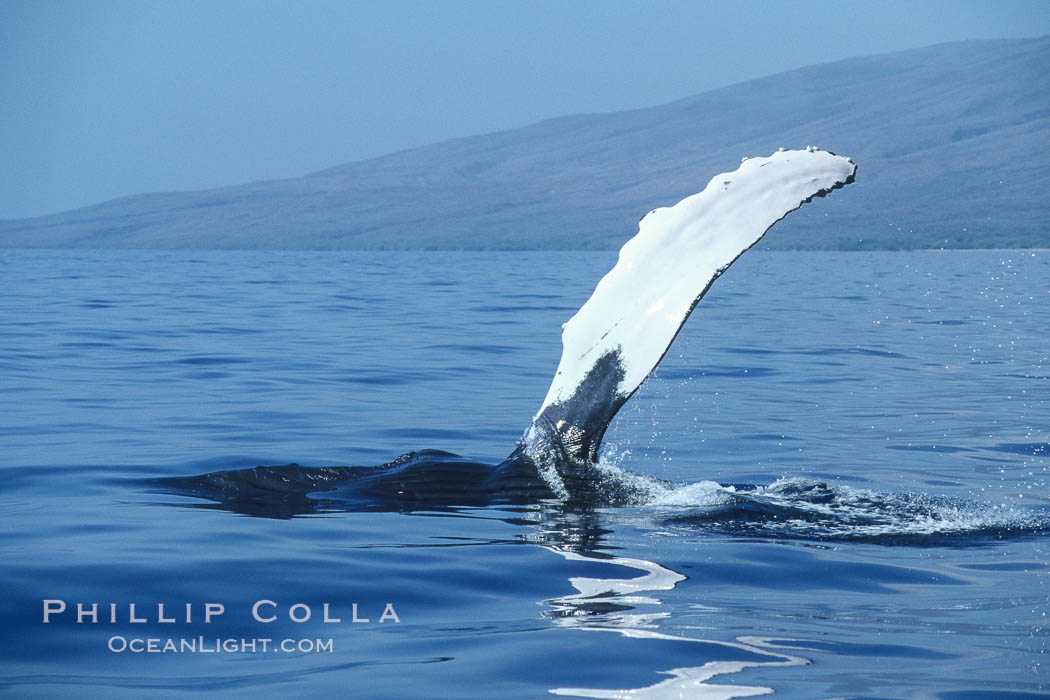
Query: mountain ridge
x,y
948,138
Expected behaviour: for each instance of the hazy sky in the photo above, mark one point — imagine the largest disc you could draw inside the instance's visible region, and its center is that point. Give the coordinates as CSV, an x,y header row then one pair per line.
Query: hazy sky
x,y
100,99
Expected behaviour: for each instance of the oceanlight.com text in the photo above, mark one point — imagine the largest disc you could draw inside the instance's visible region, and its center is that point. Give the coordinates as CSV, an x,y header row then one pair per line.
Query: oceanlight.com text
x,y
119,644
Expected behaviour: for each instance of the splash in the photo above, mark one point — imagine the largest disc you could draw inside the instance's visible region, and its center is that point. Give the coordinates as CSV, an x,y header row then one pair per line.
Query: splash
x,y
801,508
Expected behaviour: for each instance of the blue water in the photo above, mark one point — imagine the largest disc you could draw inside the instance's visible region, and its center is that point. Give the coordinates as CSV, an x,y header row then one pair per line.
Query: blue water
x,y
858,447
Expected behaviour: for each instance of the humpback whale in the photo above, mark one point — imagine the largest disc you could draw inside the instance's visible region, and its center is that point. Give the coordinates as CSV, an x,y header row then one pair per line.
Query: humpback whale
x,y
609,347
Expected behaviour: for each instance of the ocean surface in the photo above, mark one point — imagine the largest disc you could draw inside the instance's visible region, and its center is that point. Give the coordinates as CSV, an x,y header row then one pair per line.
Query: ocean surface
x,y
842,469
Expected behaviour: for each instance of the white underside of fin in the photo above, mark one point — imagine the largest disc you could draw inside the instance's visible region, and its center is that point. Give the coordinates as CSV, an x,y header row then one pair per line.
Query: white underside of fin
x,y
640,305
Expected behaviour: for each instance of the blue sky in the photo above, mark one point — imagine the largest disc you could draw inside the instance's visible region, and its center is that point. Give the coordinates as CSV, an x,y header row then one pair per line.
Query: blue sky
x,y
104,99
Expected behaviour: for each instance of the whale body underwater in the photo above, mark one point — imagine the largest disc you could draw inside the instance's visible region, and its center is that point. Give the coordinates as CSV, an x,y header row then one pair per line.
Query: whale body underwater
x,y
609,347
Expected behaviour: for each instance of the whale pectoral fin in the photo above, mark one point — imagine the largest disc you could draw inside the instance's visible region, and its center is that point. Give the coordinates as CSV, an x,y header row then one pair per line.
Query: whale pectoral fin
x,y
621,333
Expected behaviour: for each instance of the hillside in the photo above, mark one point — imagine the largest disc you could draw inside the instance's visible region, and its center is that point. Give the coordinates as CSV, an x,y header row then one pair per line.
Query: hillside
x,y
951,143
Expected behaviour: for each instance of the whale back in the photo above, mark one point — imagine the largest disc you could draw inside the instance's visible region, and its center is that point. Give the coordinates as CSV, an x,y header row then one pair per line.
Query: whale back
x,y
624,329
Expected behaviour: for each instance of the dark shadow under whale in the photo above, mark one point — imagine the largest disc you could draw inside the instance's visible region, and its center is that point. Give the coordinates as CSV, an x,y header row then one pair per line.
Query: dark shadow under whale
x,y
418,480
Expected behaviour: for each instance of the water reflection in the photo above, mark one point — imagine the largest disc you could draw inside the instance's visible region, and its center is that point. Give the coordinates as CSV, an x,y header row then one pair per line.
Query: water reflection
x,y
610,605
632,607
